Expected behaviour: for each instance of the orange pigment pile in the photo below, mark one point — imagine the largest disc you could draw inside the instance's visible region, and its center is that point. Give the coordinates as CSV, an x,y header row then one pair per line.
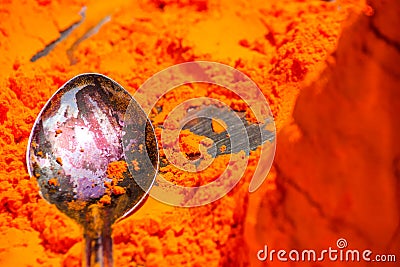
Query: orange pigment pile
x,y
276,43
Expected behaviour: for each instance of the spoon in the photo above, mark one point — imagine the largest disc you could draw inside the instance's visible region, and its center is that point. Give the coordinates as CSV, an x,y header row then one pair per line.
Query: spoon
x,y
256,134
89,147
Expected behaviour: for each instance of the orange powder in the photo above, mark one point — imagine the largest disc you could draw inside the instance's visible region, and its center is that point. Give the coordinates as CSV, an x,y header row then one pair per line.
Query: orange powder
x,y
59,161
218,126
135,165
58,132
190,143
116,169
53,182
118,190
276,43
105,200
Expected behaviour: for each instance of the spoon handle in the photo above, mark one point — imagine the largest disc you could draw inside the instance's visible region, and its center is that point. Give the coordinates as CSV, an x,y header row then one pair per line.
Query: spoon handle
x,y
98,241
257,134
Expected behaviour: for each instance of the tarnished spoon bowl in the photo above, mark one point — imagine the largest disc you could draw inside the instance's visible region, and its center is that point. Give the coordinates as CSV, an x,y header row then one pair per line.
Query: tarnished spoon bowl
x,y
89,148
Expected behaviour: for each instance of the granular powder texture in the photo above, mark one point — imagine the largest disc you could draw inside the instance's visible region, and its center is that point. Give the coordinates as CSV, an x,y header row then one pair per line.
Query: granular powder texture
x,y
276,43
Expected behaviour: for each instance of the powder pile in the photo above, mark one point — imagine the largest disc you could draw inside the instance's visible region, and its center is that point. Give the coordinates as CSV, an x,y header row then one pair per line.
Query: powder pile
x,y
338,166
276,43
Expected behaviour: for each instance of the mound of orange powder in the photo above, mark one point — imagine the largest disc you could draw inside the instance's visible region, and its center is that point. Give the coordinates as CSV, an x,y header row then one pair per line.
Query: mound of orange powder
x,y
276,43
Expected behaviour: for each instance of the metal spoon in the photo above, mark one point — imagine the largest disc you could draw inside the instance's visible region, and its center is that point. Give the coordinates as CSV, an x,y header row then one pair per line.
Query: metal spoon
x,y
256,134
82,151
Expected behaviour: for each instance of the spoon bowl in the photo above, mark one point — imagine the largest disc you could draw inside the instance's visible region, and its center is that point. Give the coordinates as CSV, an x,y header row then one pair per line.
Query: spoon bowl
x,y
89,147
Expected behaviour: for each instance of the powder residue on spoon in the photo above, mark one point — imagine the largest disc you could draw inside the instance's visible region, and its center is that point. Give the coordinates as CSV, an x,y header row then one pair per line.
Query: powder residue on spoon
x,y
222,148
118,190
116,169
58,131
105,200
59,161
53,181
135,164
115,172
